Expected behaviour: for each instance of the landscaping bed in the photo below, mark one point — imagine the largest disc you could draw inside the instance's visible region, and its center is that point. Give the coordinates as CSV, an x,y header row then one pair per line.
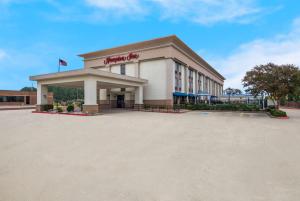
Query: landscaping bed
x,y
276,113
221,107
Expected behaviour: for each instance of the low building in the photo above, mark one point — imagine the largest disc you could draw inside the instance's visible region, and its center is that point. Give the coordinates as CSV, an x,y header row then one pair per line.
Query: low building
x,y
241,98
18,98
163,71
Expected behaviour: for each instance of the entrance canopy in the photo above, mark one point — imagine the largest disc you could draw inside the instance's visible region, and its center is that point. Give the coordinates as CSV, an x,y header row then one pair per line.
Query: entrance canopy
x,y
91,80
75,78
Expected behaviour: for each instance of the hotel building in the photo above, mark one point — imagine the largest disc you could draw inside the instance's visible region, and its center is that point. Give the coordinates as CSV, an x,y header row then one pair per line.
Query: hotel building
x,y
163,71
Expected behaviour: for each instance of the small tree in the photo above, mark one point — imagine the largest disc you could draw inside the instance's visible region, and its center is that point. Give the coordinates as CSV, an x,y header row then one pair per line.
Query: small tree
x,y
231,91
28,89
275,80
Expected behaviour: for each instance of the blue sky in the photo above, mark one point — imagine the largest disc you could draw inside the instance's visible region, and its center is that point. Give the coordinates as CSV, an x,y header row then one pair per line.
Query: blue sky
x,y
232,35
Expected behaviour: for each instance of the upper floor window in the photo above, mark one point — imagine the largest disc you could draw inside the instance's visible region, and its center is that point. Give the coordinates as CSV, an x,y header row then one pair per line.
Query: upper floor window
x,y
123,69
206,85
177,77
199,83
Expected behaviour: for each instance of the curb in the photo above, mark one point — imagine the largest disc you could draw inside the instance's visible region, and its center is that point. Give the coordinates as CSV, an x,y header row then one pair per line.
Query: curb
x,y
70,114
284,118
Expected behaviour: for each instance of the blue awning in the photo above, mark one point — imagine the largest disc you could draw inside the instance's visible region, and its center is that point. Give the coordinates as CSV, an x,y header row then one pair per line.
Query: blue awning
x,y
179,94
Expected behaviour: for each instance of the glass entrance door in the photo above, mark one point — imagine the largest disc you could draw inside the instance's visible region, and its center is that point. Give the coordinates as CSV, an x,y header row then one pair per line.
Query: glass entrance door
x,y
120,101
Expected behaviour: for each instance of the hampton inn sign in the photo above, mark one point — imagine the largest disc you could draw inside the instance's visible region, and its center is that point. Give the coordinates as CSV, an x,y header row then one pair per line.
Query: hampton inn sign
x,y
130,56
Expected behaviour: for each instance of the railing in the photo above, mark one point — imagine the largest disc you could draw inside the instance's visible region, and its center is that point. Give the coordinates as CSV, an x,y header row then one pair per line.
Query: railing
x,y
159,108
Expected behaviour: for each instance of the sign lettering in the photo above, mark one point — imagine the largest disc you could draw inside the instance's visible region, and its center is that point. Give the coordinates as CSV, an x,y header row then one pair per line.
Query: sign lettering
x,y
129,57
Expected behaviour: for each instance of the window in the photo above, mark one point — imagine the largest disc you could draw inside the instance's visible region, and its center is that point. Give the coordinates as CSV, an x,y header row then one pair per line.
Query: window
x,y
191,78
123,69
206,85
177,77
11,98
199,82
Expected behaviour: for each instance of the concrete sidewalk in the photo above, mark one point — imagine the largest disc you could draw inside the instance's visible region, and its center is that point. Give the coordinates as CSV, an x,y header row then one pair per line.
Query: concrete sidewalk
x,y
209,156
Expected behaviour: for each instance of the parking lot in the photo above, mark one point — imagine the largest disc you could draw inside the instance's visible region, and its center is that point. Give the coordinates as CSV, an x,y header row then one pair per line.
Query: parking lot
x,y
197,156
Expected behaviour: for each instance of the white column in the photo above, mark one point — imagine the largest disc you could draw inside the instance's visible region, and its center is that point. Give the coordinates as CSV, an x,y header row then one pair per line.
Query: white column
x,y
90,91
139,96
137,69
42,92
103,94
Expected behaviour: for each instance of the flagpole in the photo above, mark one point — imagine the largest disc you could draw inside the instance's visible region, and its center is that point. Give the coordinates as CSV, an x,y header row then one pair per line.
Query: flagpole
x,y
58,65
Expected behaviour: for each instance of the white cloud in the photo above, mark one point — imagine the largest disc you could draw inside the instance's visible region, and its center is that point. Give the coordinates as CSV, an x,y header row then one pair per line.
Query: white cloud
x,y
118,7
199,11
3,54
281,49
7,2
209,11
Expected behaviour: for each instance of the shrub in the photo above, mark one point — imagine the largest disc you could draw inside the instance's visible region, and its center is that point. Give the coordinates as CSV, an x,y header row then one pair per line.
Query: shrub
x,y
199,107
176,107
59,109
271,107
70,108
146,106
277,113
47,107
162,107
228,107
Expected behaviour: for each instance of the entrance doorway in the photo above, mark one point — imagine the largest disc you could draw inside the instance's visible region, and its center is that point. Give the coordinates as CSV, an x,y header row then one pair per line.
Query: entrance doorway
x,y
27,100
120,101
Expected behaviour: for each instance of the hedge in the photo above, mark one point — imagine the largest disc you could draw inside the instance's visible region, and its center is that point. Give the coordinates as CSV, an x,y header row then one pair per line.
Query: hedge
x,y
225,107
278,113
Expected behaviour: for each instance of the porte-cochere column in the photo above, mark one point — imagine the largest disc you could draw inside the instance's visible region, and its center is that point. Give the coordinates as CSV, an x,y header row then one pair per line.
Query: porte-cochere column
x,y
90,96
139,97
41,95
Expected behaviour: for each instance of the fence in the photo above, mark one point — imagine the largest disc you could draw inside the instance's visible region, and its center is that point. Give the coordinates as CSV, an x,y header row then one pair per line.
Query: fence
x,y
159,108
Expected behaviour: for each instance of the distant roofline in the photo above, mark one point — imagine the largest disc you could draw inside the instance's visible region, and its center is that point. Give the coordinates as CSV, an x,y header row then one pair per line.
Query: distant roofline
x,y
7,90
16,92
151,43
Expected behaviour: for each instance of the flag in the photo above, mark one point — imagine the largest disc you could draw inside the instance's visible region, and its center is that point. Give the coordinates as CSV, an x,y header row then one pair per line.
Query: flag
x,y
62,62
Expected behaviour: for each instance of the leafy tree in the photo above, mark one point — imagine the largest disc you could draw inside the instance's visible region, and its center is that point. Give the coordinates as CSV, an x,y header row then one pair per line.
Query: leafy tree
x,y
28,89
231,91
275,80
61,93
65,94
295,95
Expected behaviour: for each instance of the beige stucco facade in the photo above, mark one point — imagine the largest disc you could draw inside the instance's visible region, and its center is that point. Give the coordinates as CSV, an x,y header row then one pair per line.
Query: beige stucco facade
x,y
151,72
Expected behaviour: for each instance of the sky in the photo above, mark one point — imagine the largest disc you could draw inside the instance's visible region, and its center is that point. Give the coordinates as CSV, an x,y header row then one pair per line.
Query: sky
x,y
232,35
